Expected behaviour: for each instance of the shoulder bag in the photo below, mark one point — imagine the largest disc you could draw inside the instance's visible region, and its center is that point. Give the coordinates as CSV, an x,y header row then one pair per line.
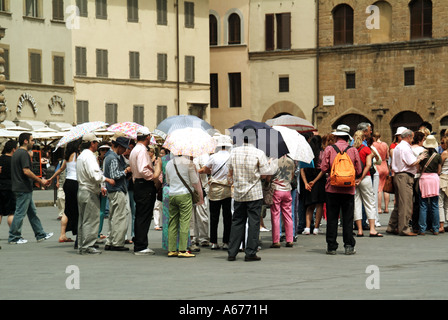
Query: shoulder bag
x,y
194,194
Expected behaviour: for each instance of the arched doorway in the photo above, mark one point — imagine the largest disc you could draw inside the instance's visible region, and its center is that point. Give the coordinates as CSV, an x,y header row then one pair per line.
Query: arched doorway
x,y
408,119
352,120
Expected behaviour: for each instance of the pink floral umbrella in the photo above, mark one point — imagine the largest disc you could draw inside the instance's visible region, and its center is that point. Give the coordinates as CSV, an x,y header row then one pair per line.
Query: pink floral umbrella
x,y
128,128
190,142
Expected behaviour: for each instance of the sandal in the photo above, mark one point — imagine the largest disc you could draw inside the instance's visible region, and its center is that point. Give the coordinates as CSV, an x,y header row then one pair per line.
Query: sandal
x,y
66,240
376,235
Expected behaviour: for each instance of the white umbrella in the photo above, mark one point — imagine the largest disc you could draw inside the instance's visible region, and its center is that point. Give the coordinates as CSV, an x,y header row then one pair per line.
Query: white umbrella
x,y
299,148
9,134
292,122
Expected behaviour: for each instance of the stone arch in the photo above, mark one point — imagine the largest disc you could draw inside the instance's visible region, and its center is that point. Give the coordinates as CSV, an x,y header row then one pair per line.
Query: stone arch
x,y
352,120
281,108
408,119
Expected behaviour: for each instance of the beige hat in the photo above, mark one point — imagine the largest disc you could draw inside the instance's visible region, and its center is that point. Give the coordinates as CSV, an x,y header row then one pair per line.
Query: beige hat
x,y
90,137
430,142
342,130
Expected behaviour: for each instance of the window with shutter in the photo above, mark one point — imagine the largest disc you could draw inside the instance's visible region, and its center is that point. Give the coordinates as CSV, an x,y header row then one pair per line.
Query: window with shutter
x,y
189,68
283,30
162,12
101,63
82,111
36,68
82,6
32,8
101,9
6,64
134,65
81,61
214,98
421,19
132,10
213,32
234,90
111,113
269,32
138,116
161,113
161,66
234,29
189,14
58,69
58,10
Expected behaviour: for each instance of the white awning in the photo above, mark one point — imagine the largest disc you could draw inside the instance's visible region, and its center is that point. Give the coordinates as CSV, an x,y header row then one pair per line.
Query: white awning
x,y
60,126
32,124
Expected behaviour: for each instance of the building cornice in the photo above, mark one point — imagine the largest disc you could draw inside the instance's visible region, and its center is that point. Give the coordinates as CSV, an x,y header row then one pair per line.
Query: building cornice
x,y
421,44
137,82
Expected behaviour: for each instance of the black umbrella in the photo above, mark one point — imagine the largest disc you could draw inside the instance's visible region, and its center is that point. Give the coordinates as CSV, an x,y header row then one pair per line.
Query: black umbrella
x,y
261,135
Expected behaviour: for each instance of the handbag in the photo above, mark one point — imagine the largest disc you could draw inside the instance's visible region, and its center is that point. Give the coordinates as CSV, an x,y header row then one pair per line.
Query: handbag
x,y
417,181
389,184
268,192
194,194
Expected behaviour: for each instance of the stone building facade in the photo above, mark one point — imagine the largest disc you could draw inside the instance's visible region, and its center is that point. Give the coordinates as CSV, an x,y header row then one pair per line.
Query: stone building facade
x,y
385,62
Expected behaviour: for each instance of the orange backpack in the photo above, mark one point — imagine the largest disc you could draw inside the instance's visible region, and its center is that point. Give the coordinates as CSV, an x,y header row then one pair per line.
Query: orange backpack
x,y
342,171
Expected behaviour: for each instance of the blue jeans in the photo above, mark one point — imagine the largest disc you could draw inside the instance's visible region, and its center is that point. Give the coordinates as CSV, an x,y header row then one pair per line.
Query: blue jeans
x,y
25,206
429,206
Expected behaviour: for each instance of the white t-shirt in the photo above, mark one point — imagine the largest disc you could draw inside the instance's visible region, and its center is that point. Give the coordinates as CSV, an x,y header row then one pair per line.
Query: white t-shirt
x,y
188,172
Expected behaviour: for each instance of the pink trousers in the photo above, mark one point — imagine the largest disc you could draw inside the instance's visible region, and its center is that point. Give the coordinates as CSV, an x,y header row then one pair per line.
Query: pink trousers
x,y
282,203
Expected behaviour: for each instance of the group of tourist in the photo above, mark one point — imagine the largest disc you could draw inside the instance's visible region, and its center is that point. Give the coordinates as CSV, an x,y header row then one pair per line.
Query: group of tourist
x,y
133,184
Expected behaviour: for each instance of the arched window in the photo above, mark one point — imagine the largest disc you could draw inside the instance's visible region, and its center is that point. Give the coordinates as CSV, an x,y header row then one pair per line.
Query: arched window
x,y
343,24
234,29
421,19
213,25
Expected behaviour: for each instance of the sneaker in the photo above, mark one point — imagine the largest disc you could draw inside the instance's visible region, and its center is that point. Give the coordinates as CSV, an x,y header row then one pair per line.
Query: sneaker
x,y
90,250
306,231
316,231
172,254
331,252
263,229
205,243
225,246
350,250
47,236
144,252
195,248
215,246
185,254
20,241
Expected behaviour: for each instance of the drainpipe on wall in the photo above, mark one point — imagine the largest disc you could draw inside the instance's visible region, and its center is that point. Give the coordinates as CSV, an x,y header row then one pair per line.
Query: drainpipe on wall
x,y
176,4
317,63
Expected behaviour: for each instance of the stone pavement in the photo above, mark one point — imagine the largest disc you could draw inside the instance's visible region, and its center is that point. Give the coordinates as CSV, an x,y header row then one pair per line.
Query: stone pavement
x,y
403,268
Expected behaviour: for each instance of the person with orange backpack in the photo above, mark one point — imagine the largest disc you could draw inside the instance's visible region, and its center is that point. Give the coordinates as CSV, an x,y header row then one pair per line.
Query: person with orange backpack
x,y
342,164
